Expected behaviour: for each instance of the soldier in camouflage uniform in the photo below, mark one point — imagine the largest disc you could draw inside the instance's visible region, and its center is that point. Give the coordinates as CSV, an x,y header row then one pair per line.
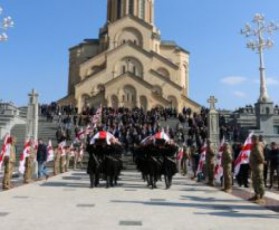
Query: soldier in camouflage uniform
x,y
9,163
63,159
210,163
227,167
56,163
29,163
256,160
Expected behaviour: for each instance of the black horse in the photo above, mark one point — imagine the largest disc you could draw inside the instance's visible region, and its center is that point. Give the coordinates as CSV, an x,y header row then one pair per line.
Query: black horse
x,y
112,164
95,163
169,168
149,164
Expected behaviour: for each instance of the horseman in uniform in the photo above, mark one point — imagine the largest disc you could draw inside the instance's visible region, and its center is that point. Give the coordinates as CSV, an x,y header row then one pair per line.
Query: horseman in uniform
x,y
97,148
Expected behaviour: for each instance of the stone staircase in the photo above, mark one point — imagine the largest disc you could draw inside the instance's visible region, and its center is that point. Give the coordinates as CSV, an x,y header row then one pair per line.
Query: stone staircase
x,y
47,130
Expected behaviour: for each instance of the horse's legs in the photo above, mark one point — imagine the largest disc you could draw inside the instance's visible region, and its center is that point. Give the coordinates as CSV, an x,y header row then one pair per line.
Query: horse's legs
x,y
92,178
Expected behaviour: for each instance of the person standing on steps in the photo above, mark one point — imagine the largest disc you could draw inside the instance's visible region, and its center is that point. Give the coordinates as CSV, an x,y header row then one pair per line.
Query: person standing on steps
x,y
9,162
29,164
227,167
273,163
210,163
256,160
42,159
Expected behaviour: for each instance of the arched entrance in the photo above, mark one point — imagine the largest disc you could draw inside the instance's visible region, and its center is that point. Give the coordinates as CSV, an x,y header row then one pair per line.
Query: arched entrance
x,y
173,102
143,103
129,97
114,101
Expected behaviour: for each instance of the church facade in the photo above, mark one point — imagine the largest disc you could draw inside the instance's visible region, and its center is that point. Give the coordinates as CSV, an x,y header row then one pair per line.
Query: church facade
x,y
129,65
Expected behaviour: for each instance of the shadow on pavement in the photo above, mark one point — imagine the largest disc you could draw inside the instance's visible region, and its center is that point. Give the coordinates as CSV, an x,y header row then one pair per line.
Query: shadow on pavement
x,y
209,199
225,210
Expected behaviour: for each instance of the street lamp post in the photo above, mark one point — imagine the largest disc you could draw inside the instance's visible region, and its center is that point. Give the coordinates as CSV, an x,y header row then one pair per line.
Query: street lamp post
x,y
5,24
259,44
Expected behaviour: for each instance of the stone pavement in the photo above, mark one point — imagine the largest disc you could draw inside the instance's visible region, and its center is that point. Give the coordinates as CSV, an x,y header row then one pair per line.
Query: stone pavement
x,y
66,202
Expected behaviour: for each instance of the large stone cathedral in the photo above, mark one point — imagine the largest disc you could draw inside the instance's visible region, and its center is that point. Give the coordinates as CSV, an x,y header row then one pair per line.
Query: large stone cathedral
x,y
129,65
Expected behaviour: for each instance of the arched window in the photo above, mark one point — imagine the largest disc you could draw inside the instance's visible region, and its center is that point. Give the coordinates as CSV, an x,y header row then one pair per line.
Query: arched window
x,y
131,7
141,9
123,69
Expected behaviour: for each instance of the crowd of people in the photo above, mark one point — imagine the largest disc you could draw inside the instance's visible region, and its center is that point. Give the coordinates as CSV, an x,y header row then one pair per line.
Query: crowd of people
x,y
36,158
132,126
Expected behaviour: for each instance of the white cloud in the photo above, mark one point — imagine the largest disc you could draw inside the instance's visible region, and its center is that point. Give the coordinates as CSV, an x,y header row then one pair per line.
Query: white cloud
x,y
239,94
270,81
233,80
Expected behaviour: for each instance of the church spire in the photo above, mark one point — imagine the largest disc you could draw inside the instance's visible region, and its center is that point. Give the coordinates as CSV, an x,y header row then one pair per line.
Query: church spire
x,y
143,9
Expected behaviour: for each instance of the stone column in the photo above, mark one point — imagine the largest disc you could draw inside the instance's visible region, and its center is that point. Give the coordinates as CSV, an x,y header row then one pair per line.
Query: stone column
x,y
213,124
32,116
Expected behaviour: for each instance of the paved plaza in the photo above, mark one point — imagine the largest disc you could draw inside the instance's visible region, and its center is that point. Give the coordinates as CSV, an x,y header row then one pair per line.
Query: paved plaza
x,y
66,202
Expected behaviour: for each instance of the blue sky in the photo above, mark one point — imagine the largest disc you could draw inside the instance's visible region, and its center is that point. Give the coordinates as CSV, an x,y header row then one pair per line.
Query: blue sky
x,y
36,55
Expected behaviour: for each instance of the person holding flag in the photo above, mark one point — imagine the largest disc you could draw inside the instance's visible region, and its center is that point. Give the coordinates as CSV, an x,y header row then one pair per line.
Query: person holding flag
x,y
241,163
227,160
218,170
29,154
202,158
8,158
209,158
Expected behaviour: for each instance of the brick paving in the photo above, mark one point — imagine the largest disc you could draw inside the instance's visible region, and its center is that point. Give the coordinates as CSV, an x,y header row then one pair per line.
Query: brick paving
x,y
69,204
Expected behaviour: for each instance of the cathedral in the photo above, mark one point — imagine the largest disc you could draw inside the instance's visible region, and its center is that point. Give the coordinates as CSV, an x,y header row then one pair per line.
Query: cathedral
x,y
129,65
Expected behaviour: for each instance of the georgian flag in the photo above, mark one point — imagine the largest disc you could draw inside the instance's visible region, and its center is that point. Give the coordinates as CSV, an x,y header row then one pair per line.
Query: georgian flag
x,y
202,158
243,157
6,148
161,136
218,169
25,153
61,148
180,154
102,135
81,134
50,152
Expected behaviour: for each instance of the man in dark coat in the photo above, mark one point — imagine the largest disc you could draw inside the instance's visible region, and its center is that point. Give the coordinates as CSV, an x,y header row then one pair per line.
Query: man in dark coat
x,y
42,159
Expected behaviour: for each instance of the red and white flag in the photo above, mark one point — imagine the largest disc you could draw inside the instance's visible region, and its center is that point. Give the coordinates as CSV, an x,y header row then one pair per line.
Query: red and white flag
x,y
218,169
25,153
202,158
50,152
6,148
179,154
81,134
61,148
243,157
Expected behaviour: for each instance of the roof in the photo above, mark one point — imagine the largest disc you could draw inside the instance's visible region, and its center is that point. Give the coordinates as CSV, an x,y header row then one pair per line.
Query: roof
x,y
171,43
87,41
